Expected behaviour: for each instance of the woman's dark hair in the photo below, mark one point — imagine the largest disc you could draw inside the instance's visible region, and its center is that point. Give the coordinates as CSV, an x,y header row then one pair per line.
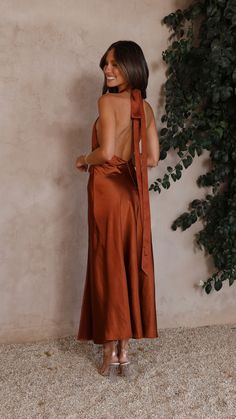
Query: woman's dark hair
x,y
130,58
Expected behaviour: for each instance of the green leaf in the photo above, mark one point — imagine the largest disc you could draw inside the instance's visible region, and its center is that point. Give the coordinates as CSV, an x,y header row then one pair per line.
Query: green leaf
x,y
196,10
178,174
157,188
163,131
193,217
219,131
163,155
191,150
231,281
221,3
215,96
187,161
218,285
178,167
199,151
166,184
164,118
208,288
234,75
225,157
174,226
226,92
211,9
195,203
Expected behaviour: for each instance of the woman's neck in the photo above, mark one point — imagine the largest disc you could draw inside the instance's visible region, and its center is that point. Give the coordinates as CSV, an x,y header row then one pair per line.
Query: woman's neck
x,y
127,89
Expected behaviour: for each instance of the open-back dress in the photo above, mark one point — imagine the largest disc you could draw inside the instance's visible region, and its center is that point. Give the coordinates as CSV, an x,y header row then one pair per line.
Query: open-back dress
x,y
119,292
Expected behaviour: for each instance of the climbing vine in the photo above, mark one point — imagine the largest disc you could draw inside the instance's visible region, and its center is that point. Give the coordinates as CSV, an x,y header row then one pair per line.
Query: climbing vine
x,y
200,114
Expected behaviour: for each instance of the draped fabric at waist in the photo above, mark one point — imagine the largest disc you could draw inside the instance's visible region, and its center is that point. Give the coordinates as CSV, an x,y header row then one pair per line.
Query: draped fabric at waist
x,y
115,161
116,165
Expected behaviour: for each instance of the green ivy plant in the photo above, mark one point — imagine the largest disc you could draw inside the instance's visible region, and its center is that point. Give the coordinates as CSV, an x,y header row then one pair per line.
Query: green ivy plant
x,y
200,114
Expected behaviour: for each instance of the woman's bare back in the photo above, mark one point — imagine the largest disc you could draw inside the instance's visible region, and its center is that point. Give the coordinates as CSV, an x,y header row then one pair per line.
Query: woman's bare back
x,y
123,135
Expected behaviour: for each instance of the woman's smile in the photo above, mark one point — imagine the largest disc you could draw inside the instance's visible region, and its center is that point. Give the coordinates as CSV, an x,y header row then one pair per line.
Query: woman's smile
x,y
112,72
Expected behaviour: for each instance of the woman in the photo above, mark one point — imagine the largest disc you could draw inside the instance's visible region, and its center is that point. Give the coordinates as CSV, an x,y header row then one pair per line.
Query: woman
x,y
119,294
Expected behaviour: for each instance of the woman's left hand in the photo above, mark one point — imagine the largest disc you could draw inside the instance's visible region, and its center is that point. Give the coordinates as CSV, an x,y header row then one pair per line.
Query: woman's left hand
x,y
80,164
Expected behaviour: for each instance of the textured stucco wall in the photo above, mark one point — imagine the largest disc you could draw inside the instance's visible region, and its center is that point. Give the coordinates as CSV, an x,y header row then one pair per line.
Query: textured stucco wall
x,y
50,82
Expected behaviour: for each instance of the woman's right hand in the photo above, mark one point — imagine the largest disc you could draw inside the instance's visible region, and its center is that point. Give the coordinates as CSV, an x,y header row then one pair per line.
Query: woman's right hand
x,y
80,164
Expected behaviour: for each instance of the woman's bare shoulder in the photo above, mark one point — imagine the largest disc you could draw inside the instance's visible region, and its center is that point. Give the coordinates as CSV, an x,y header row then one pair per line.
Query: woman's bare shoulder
x,y
111,97
105,98
107,107
108,100
105,102
148,112
147,106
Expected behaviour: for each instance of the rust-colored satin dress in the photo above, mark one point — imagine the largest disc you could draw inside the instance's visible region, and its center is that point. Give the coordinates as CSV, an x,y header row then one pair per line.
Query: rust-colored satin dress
x,y
119,293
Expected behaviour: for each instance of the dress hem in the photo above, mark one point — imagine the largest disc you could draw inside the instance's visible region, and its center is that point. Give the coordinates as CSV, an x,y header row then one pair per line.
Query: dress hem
x,y
149,336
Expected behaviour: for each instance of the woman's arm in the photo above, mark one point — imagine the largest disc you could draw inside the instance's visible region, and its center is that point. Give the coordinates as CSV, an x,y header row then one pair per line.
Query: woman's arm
x,y
106,149
153,146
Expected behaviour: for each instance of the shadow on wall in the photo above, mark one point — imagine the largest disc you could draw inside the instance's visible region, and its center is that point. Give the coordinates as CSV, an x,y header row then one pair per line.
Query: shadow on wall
x,y
182,4
74,138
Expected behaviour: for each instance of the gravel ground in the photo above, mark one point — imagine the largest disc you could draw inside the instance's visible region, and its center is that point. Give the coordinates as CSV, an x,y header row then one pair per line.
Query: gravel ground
x,y
184,373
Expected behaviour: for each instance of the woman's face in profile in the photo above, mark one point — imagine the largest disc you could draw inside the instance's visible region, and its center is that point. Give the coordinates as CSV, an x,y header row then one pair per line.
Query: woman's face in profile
x,y
112,72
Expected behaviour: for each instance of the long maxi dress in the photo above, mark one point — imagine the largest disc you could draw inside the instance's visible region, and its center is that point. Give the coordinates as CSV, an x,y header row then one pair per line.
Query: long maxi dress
x,y
119,292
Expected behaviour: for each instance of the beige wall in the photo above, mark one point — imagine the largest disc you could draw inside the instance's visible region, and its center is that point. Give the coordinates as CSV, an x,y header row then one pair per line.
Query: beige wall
x,y
50,82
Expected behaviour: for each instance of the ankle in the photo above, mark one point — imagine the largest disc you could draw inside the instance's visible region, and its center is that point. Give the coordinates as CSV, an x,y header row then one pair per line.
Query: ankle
x,y
109,346
123,351
123,345
109,351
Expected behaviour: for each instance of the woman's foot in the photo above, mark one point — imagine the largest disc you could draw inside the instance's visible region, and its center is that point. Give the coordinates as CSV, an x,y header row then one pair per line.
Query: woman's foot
x,y
110,358
123,352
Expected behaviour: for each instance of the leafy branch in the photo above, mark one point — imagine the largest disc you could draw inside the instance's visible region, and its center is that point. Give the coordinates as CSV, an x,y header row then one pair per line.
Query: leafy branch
x,y
175,173
200,93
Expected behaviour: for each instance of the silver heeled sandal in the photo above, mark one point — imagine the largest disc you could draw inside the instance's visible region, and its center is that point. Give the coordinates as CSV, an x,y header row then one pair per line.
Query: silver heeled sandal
x,y
124,367
111,367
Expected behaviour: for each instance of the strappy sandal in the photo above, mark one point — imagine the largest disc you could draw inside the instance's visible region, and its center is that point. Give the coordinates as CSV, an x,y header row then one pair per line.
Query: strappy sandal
x,y
111,367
